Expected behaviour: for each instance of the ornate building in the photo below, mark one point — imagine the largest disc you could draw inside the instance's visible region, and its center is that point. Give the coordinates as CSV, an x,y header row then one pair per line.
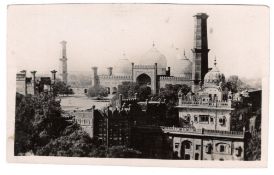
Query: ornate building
x,y
205,123
152,69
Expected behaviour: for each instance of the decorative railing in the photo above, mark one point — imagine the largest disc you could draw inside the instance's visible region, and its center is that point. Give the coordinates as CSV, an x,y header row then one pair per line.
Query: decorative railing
x,y
124,77
201,131
206,103
174,78
144,66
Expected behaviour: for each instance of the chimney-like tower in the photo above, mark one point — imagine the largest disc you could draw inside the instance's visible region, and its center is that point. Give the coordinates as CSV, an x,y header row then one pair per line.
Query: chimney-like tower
x,y
53,75
109,71
33,81
95,77
63,62
200,50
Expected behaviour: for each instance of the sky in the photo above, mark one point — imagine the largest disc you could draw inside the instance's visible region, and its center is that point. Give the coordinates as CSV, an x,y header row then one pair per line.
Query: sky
x,y
99,34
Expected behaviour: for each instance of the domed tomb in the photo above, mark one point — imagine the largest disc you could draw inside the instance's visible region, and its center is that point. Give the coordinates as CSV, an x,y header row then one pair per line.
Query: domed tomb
x,y
123,67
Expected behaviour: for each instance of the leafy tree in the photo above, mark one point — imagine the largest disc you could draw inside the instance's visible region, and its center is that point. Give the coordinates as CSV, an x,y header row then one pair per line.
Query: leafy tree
x,y
96,91
235,84
61,88
170,92
253,147
76,144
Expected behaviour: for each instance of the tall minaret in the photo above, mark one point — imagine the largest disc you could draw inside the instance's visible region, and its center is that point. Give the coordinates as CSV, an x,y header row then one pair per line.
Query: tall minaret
x,y
200,50
63,72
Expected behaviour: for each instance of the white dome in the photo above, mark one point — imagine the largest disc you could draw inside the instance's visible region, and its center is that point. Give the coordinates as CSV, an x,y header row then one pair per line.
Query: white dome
x,y
214,76
182,66
123,67
154,56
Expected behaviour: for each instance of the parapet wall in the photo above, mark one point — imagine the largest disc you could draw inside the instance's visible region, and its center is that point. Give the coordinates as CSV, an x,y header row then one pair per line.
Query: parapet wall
x,y
116,77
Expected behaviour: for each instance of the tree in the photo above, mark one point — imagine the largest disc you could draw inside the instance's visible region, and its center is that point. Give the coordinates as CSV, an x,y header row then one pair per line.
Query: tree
x,y
61,88
97,91
170,92
234,84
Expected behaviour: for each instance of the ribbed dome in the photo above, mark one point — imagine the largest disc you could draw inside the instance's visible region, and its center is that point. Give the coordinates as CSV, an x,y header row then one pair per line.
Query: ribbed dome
x,y
154,56
214,77
122,67
182,66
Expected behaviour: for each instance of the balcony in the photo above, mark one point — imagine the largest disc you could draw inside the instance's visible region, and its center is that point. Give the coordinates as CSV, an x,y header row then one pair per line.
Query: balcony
x,y
202,132
205,104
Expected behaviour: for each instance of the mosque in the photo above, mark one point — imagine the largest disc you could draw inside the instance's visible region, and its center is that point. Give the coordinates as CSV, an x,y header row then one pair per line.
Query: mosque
x,y
152,69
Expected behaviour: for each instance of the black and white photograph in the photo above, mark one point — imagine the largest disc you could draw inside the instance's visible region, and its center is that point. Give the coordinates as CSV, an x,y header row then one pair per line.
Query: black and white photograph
x,y
146,82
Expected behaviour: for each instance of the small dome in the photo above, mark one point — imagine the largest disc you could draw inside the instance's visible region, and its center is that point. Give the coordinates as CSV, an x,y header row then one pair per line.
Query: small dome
x,y
123,67
154,56
182,66
214,76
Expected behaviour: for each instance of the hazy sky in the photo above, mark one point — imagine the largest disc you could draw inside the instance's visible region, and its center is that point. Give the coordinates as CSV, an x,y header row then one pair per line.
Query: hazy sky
x,y
97,35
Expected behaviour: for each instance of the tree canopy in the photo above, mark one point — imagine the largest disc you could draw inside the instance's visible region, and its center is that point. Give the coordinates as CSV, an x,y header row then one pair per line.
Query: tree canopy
x,y
61,88
97,91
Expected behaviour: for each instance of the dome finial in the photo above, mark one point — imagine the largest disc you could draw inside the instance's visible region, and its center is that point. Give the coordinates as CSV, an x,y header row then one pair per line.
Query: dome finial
x,y
153,43
184,52
215,61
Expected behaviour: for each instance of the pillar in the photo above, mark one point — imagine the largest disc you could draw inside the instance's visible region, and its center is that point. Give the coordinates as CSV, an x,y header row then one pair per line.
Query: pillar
x,y
109,71
53,75
34,81
95,78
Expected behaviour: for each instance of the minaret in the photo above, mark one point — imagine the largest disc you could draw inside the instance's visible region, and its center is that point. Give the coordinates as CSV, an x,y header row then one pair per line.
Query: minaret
x,y
63,72
200,50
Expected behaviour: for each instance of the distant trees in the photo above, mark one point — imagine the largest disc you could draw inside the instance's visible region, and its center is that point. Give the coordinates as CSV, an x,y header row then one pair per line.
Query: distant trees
x,y
61,88
235,84
128,90
170,92
97,91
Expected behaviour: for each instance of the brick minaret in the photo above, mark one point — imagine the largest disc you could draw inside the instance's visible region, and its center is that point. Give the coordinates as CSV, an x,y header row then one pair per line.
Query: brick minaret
x,y
200,51
63,72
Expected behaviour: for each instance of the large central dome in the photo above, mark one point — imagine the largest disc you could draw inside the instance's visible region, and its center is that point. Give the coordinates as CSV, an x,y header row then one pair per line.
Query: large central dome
x,y
153,56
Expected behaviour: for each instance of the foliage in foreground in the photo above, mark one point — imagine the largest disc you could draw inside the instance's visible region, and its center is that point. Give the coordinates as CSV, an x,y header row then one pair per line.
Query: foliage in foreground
x,y
41,129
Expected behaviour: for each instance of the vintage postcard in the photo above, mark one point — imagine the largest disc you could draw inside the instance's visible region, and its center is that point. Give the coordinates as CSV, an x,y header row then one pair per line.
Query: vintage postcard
x,y
138,84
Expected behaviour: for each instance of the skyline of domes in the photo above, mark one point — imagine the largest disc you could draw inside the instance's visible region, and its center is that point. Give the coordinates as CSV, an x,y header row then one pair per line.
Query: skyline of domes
x,y
214,76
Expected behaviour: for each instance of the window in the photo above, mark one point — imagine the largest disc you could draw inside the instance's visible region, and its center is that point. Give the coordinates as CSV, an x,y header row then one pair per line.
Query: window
x,y
187,145
196,156
187,157
203,118
198,147
176,145
195,118
211,119
222,148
